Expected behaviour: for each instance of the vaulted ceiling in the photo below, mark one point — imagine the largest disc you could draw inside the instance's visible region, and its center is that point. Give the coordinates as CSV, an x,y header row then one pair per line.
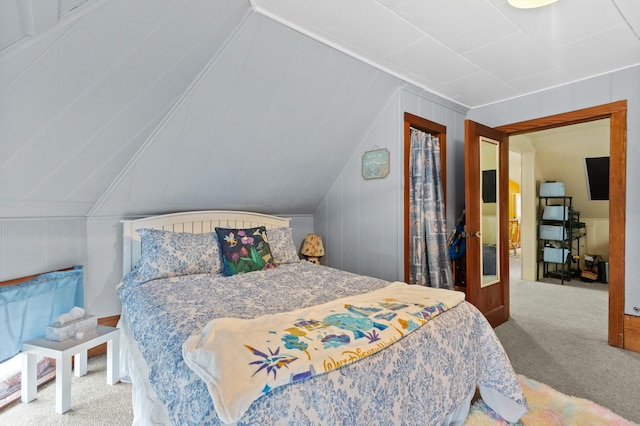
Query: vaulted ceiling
x,y
78,100
267,127
114,107
123,108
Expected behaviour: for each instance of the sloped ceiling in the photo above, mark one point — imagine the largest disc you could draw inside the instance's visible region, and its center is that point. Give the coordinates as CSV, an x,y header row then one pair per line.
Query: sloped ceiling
x,y
114,107
81,91
125,108
474,52
267,127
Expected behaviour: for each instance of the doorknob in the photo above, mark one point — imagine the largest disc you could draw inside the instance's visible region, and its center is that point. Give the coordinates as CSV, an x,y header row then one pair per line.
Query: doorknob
x,y
476,234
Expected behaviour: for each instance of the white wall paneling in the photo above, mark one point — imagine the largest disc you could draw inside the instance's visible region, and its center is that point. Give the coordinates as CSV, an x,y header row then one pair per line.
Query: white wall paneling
x,y
36,245
362,221
104,266
301,225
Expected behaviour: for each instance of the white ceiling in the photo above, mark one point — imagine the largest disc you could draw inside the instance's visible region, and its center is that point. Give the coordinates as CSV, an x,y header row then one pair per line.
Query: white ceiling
x,y
474,52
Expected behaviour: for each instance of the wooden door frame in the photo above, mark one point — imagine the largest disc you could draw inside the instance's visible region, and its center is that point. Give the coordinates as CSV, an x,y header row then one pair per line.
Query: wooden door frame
x,y
616,112
439,131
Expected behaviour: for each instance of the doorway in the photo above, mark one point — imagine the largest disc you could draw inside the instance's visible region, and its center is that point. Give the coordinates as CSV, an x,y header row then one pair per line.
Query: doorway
x,y
559,155
616,112
439,131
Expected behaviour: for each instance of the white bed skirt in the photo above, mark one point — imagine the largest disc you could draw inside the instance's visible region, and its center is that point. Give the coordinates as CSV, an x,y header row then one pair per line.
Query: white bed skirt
x,y
147,409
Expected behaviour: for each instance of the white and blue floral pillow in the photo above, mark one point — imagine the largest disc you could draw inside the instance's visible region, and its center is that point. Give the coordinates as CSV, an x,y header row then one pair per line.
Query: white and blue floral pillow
x,y
167,254
282,246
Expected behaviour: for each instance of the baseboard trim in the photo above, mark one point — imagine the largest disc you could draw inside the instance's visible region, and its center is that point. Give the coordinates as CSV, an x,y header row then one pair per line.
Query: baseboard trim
x,y
102,349
632,333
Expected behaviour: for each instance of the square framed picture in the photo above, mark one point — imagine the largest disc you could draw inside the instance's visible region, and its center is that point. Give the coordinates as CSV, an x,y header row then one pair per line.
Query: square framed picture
x,y
375,164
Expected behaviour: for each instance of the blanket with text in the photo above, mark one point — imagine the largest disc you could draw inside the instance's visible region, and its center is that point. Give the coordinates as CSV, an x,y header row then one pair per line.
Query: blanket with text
x,y
242,359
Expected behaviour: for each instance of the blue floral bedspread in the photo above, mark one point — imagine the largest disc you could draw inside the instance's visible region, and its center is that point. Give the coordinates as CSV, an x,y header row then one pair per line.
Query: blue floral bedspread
x,y
240,360
419,380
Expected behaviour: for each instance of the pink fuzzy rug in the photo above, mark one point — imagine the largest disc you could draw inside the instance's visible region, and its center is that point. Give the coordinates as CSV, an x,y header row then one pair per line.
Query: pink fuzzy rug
x,y
548,407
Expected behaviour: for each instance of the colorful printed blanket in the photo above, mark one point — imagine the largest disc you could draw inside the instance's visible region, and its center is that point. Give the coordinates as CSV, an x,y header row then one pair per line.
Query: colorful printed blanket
x,y
240,359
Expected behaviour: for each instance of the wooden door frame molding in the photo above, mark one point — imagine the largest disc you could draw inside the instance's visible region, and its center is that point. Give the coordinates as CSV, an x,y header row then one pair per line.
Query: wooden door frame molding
x,y
436,130
617,113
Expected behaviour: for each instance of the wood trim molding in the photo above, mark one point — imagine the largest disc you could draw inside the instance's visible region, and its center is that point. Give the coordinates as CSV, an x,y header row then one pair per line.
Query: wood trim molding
x,y
617,113
30,277
565,119
439,131
632,333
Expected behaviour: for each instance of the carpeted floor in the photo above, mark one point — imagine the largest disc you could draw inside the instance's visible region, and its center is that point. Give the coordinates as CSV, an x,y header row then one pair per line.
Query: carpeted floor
x,y
93,402
548,407
557,335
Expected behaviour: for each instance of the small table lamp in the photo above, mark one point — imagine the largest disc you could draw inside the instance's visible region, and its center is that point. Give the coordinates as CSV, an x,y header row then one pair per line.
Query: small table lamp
x,y
313,248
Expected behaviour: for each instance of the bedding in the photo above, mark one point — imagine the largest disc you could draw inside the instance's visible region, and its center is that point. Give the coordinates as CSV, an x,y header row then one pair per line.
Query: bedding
x,y
282,246
243,359
428,377
169,254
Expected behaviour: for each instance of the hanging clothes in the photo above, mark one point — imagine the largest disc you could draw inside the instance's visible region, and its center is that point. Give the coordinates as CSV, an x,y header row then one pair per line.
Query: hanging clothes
x,y
430,264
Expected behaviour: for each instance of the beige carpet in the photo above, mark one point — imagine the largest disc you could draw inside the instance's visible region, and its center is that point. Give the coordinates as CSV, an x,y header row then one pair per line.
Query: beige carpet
x,y
557,335
93,402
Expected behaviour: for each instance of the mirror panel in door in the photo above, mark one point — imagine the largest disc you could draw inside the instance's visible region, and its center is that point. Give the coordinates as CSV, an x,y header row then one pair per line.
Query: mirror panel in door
x,y
486,221
489,212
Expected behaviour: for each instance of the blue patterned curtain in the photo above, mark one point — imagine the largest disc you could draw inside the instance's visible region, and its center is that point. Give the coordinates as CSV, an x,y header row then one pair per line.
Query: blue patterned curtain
x,y
430,264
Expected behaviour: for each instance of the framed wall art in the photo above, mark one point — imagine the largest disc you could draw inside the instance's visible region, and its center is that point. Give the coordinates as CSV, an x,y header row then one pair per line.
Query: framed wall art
x,y
375,164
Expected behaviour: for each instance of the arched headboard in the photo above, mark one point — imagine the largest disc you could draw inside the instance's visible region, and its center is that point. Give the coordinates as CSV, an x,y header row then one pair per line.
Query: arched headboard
x,y
196,222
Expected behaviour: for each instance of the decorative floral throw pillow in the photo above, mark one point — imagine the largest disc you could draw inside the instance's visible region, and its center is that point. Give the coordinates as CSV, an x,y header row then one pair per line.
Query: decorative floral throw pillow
x,y
168,254
282,246
245,250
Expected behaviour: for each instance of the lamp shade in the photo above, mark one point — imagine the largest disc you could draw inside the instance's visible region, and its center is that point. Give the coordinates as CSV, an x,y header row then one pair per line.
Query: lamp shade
x,y
312,246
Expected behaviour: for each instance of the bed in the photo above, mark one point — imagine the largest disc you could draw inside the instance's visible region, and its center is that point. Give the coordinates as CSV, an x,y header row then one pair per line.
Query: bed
x,y
429,376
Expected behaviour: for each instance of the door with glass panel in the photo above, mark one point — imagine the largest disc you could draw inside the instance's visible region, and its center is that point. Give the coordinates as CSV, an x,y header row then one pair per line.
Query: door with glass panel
x,y
486,203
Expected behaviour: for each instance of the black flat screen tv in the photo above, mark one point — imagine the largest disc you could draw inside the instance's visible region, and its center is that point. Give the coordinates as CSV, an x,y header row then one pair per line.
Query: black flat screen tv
x,y
597,171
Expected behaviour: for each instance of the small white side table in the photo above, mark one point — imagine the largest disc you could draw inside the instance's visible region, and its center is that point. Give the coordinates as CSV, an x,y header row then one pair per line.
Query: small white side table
x,y
62,353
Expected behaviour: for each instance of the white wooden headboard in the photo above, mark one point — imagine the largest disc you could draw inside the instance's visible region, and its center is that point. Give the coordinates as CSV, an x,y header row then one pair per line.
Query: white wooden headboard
x,y
197,222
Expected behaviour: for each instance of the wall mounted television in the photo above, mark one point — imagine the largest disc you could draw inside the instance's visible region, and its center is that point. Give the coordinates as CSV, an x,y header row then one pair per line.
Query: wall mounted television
x,y
597,173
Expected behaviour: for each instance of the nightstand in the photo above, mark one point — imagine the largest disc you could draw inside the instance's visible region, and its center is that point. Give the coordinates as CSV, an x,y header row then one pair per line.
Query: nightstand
x,y
62,353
